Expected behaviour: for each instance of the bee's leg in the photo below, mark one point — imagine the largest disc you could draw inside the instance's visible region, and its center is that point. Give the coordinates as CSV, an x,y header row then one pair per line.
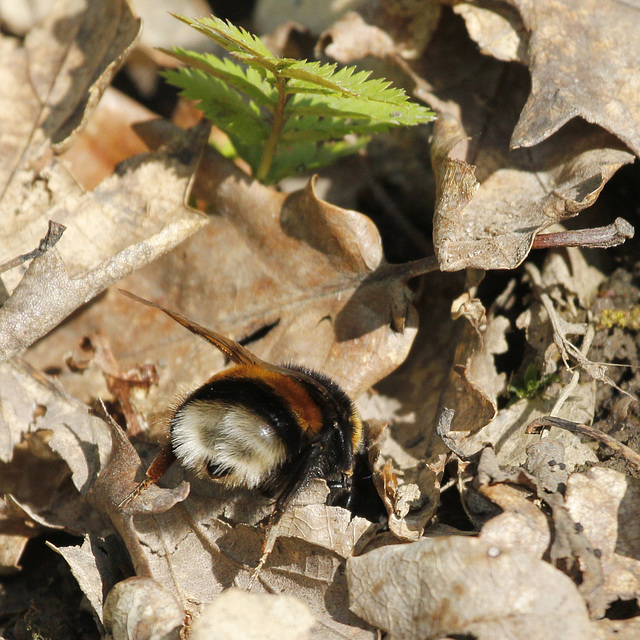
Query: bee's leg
x,y
270,537
156,470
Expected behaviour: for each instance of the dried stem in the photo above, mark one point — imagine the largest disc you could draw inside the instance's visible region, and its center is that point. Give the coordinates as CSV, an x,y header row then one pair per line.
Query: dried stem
x,y
633,457
598,238
54,234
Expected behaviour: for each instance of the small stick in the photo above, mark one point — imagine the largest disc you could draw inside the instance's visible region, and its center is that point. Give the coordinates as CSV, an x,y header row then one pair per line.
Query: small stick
x,y
633,457
54,234
597,238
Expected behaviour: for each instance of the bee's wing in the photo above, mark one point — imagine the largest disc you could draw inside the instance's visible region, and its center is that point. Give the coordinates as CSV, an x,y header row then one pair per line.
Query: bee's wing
x,y
234,351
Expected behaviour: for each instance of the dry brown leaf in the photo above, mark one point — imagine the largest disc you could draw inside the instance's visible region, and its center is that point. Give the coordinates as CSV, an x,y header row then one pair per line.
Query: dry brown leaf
x,y
606,504
107,139
497,28
80,439
141,609
396,27
91,568
583,60
313,270
408,400
126,222
237,614
474,383
38,422
522,526
491,200
572,284
54,81
464,586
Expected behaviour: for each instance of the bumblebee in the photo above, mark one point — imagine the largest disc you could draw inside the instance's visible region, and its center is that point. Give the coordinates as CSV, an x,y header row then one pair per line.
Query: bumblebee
x,y
261,425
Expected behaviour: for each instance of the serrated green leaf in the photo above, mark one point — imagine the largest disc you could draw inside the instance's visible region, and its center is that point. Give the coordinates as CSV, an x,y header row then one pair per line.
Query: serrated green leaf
x,y
228,36
328,112
222,104
316,129
248,80
393,114
309,156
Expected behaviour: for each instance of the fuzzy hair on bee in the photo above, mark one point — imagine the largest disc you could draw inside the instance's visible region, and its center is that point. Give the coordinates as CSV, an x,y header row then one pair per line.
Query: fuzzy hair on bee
x,y
260,426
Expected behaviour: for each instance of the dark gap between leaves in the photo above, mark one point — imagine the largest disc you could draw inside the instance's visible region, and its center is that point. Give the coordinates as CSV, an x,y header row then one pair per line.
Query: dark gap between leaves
x,y
623,610
43,600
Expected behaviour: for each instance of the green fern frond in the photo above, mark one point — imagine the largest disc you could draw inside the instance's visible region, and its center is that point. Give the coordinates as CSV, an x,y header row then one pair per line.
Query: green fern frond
x,y
284,115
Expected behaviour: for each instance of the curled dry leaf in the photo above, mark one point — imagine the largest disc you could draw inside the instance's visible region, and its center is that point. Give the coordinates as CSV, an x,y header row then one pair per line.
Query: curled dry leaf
x,y
78,438
454,585
54,80
492,200
130,219
606,92
309,277
253,617
497,28
38,417
141,609
93,568
394,28
605,503
474,383
522,526
411,460
116,482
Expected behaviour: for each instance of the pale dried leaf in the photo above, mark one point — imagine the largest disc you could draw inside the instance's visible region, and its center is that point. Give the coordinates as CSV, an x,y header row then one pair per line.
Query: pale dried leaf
x,y
54,81
464,586
393,28
237,614
497,28
409,399
604,91
474,383
11,548
507,430
141,609
313,270
81,440
90,568
489,212
492,200
606,505
128,221
522,526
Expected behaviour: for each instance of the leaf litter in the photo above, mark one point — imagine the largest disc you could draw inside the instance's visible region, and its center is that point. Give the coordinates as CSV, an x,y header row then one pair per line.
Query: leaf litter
x,y
551,549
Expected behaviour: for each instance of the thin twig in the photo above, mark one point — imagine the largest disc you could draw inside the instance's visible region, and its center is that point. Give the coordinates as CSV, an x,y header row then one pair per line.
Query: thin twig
x,y
612,235
54,234
633,457
407,270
